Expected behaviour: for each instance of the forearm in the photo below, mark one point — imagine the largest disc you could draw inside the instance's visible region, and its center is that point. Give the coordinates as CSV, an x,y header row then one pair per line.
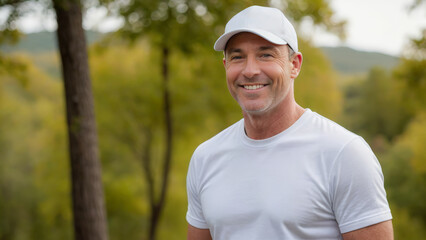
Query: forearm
x,y
380,231
198,234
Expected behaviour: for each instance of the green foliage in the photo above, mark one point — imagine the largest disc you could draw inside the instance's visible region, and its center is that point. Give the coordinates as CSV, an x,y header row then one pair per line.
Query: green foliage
x,y
179,24
185,24
35,202
316,87
376,106
389,109
13,67
8,36
417,48
414,138
412,73
319,11
382,104
406,226
404,167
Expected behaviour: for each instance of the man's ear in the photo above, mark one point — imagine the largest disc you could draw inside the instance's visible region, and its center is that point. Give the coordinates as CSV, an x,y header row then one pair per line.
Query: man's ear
x,y
224,62
296,62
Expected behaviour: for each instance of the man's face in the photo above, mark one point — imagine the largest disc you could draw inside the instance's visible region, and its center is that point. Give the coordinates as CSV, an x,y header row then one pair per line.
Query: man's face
x,y
259,73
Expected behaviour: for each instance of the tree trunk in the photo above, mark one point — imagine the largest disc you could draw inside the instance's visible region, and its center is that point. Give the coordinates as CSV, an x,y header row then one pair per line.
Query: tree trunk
x,y
87,193
158,206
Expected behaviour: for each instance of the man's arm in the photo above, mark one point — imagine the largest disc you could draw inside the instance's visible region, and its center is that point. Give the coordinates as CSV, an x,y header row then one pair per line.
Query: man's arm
x,y
198,234
380,231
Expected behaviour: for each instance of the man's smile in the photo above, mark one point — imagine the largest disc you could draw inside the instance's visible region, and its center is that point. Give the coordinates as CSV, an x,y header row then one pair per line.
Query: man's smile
x,y
253,86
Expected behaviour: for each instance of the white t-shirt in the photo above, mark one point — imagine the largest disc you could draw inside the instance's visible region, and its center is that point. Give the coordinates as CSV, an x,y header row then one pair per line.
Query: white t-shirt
x,y
315,180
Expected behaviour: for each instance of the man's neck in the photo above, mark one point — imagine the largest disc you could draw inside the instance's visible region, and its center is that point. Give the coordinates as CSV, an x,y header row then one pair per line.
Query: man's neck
x,y
262,126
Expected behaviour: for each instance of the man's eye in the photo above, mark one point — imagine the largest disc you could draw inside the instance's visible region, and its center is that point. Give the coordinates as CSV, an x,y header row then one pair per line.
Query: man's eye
x,y
235,57
266,55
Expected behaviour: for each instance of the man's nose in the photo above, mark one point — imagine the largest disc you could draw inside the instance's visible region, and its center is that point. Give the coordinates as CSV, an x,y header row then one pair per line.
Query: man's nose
x,y
251,68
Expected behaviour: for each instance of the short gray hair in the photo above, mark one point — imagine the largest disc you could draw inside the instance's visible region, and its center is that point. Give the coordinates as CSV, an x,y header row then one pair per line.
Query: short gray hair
x,y
291,52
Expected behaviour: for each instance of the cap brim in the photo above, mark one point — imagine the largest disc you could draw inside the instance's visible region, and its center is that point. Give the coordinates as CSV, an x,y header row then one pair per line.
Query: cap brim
x,y
223,40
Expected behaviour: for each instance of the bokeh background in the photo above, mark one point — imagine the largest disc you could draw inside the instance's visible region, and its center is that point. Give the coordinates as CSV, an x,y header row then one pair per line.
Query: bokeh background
x,y
377,92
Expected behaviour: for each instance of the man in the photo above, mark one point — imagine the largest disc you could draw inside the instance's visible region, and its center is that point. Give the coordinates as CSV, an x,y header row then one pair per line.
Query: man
x,y
282,172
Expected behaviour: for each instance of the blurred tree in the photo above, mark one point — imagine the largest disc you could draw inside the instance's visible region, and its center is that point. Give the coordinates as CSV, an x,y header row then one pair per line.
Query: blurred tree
x,y
405,169
406,226
87,192
382,109
17,203
34,190
318,12
404,163
8,65
382,104
317,87
412,73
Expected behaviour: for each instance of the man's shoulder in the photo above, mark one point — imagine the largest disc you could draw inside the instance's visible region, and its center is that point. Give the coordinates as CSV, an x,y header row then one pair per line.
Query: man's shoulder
x,y
328,131
223,138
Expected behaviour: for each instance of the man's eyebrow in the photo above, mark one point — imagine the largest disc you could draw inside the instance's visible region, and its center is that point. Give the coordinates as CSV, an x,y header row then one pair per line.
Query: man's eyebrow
x,y
234,50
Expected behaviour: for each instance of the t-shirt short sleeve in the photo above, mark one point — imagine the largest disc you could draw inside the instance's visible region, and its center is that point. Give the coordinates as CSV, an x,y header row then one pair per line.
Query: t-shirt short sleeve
x,y
357,188
194,215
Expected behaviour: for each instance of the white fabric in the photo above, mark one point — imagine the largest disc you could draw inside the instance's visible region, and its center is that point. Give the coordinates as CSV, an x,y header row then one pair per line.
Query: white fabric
x,y
266,22
315,180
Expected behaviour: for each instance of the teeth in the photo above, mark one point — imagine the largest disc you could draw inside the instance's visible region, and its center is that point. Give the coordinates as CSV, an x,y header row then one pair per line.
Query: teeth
x,y
252,87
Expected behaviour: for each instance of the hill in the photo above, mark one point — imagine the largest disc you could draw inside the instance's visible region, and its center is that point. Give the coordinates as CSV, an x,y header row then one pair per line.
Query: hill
x,y
41,49
345,60
42,42
350,61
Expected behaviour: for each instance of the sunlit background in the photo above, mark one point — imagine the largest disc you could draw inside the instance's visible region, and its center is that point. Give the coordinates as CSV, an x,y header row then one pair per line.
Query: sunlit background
x,y
384,26
364,67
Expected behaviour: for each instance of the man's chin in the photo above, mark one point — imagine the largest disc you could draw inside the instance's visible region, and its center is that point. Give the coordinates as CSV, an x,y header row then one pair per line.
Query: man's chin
x,y
254,110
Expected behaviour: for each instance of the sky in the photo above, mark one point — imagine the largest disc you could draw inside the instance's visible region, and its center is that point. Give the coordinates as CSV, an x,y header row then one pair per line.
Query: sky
x,y
384,26
376,25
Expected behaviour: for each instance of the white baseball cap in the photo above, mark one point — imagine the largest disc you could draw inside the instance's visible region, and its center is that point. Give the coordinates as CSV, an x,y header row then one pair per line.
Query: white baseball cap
x,y
266,22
